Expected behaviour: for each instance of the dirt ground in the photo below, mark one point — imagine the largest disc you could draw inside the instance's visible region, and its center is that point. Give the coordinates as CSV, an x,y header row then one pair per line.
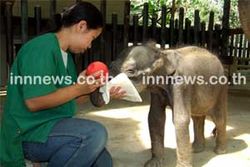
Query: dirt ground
x,y
129,142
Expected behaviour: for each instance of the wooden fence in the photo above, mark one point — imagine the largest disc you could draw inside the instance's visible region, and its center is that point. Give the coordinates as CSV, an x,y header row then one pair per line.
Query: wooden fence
x,y
226,43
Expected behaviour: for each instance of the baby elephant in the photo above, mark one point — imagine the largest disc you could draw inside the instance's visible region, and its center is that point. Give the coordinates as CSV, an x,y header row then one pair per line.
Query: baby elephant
x,y
145,64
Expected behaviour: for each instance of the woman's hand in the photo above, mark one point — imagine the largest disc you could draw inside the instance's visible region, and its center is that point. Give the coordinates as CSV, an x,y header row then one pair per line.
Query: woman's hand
x,y
116,92
88,84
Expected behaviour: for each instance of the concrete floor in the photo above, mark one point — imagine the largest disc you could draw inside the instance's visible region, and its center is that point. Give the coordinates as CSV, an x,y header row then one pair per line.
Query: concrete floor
x,y
129,141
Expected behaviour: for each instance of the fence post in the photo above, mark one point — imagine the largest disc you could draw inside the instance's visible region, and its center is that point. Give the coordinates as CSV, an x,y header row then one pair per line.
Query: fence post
x,y
154,22
126,24
231,45
135,24
240,48
225,31
145,22
24,20
180,31
9,38
217,37
163,25
114,34
188,32
103,55
196,27
171,31
210,30
245,47
37,15
248,50
203,34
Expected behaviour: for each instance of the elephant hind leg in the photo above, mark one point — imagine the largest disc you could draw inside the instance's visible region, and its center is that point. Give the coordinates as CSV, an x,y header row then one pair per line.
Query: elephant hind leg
x,y
199,139
219,117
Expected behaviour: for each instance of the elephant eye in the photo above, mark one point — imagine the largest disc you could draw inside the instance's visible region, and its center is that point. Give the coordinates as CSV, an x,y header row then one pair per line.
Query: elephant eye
x,y
131,71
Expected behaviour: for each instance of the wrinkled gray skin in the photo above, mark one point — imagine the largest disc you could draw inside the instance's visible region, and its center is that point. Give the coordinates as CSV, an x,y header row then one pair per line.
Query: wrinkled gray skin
x,y
186,100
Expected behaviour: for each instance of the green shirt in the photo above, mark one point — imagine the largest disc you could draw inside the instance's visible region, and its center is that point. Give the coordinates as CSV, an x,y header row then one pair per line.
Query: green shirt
x,y
39,58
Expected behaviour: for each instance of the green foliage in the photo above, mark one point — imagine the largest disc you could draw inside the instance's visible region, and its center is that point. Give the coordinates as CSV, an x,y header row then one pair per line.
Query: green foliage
x,y
204,6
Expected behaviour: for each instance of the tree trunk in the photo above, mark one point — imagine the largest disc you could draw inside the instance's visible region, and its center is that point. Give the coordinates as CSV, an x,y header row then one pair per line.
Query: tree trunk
x,y
244,8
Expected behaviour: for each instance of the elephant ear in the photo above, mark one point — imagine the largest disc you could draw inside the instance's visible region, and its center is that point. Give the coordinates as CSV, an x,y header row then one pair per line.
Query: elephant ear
x,y
244,7
170,61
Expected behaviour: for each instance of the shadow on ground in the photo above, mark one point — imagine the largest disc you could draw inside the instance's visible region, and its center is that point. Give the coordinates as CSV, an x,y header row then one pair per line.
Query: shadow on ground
x,y
129,141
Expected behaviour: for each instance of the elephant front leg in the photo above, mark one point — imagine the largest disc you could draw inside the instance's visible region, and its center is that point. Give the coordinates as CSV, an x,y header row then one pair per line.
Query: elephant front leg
x,y
156,121
182,112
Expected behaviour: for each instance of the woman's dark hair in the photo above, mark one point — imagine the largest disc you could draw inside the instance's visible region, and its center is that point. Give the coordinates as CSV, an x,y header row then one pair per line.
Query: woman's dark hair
x,y
79,11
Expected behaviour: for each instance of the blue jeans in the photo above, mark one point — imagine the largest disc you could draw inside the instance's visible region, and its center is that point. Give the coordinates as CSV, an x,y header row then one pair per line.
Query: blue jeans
x,y
72,143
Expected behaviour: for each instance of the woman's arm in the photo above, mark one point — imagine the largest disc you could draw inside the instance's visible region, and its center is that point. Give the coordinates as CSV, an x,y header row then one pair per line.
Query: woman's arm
x,y
82,99
59,97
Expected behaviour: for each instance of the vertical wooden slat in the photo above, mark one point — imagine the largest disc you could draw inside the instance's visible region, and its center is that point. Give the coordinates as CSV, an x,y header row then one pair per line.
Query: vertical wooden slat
x,y
188,32
145,22
244,46
180,30
171,25
225,29
203,34
240,46
52,9
52,12
172,10
9,36
176,24
135,30
103,55
24,20
248,48
37,12
114,35
231,45
236,46
217,46
126,24
196,27
210,30
163,25
248,51
171,32
154,22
